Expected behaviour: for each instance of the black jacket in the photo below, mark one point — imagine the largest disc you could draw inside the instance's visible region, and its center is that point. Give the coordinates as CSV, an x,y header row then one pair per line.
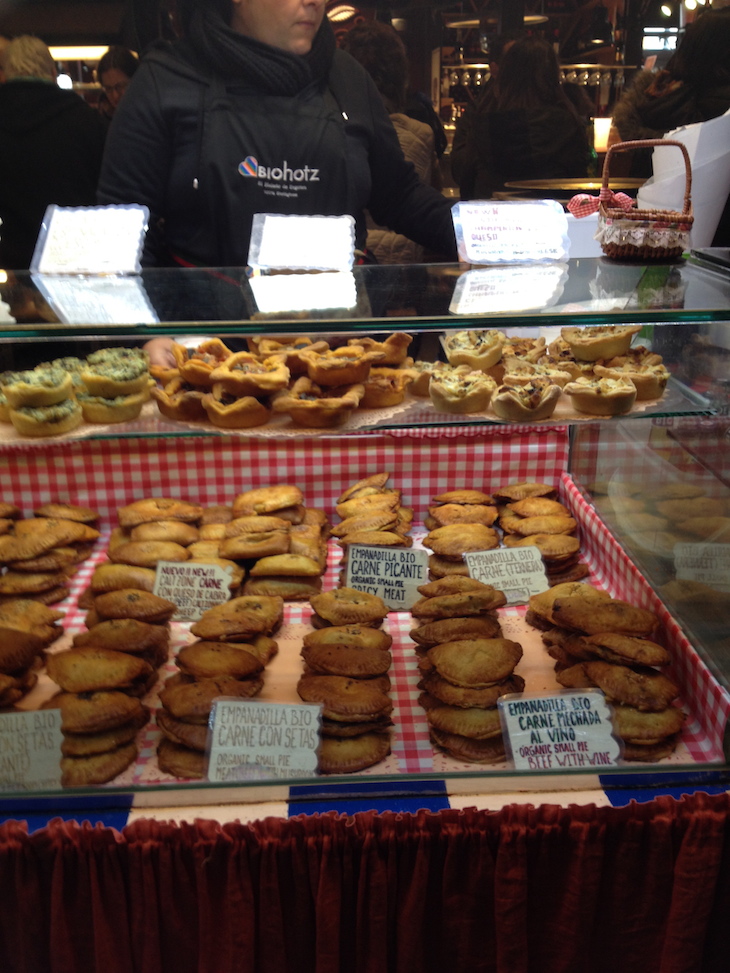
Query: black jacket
x,y
495,147
158,139
51,145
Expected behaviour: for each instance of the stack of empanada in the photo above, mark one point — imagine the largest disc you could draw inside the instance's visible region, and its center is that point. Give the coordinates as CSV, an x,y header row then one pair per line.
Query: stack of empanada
x,y
351,656
26,628
603,642
228,659
459,521
371,514
41,553
99,730
465,666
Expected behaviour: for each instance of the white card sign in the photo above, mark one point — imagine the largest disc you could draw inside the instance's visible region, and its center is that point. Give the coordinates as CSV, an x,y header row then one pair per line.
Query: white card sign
x,y
302,242
90,240
391,573
257,740
569,729
495,232
706,563
193,586
517,571
30,750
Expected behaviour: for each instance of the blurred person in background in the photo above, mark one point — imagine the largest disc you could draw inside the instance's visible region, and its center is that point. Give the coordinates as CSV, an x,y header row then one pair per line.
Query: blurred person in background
x,y
51,146
382,53
694,87
4,41
526,126
115,70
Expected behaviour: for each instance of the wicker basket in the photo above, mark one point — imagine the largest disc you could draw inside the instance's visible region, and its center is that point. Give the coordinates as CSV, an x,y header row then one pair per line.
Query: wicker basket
x,y
645,234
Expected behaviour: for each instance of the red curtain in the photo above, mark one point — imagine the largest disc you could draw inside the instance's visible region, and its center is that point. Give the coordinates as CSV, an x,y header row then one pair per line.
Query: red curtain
x,y
639,889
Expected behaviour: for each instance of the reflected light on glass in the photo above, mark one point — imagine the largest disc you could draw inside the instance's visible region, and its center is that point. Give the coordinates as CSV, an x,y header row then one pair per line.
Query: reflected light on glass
x,y
64,81
341,12
666,10
85,52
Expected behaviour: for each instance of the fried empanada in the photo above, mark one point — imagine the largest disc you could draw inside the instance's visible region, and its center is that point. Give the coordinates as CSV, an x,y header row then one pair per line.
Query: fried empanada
x,y
473,722
489,751
239,618
174,531
134,603
147,554
87,669
207,660
125,635
193,701
475,663
181,762
348,606
348,755
266,500
464,697
344,699
193,735
456,540
460,603
97,768
158,508
643,688
611,615
445,514
452,629
639,727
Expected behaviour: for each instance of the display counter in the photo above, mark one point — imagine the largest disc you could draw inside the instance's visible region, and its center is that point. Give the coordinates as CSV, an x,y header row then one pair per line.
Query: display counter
x,y
604,471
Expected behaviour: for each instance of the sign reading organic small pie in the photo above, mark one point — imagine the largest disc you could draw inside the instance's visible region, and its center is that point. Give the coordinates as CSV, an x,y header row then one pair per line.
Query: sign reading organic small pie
x,y
572,728
258,740
391,573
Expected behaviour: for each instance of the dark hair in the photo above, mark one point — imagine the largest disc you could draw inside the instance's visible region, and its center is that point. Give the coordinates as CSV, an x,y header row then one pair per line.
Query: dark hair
x,y
379,49
186,11
529,77
120,58
703,57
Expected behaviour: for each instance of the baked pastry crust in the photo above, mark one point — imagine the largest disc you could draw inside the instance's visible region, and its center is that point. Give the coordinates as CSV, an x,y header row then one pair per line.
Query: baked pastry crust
x,y
454,540
246,374
97,768
40,386
122,408
180,401
87,669
347,755
650,380
239,618
229,411
386,387
599,341
49,420
147,554
348,606
348,365
113,372
602,396
158,508
461,390
394,348
531,402
181,762
196,365
318,406
476,349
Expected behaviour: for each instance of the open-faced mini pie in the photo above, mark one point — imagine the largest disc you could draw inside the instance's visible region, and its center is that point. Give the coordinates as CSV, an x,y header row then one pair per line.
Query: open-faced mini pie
x,y
386,386
461,390
196,365
233,411
348,365
180,401
477,349
599,341
525,403
245,374
650,380
602,396
318,406
394,347
111,372
41,386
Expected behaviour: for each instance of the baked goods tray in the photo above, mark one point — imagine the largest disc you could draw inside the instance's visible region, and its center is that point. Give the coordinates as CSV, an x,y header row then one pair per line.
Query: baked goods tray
x,y
414,411
705,702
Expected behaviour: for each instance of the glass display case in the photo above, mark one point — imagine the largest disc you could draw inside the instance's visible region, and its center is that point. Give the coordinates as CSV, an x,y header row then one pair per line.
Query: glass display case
x,y
648,490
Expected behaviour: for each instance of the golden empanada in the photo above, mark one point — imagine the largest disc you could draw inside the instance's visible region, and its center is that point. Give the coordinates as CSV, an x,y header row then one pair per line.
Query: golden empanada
x,y
348,755
347,606
472,722
87,669
451,629
239,618
345,699
158,508
101,741
207,660
94,712
192,735
97,768
266,500
147,554
460,603
174,531
475,662
645,688
193,701
489,751
465,697
112,577
290,588
179,761
133,603
125,635
455,540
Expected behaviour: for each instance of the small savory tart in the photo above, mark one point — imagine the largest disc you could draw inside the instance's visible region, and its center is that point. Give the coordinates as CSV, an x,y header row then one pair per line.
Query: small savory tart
x,y
599,341
246,374
424,370
196,365
461,390
121,408
232,411
526,403
650,380
602,396
527,349
49,420
638,355
477,349
315,406
395,347
123,374
180,401
348,365
519,372
386,386
41,386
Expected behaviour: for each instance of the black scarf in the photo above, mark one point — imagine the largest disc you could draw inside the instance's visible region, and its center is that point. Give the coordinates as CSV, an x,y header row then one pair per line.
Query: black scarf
x,y
235,57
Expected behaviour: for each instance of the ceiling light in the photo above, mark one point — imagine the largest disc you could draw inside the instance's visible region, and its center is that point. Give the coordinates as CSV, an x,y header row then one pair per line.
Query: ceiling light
x,y
690,4
665,10
78,53
341,12
530,20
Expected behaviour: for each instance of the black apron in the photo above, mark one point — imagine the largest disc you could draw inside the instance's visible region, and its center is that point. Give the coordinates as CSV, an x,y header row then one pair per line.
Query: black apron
x,y
268,154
